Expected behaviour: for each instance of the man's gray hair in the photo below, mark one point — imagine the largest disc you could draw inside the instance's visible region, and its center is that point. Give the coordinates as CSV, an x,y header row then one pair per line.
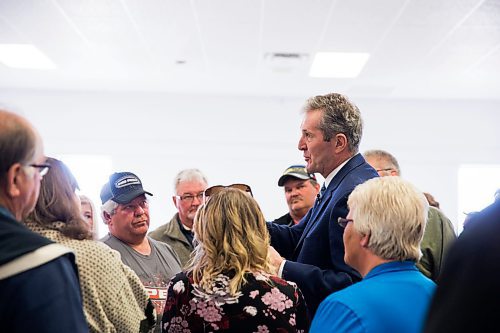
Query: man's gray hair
x,y
189,175
394,213
339,116
383,155
108,207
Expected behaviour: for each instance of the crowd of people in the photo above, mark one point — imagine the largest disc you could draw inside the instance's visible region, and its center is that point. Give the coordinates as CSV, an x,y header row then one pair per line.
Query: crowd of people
x,y
360,252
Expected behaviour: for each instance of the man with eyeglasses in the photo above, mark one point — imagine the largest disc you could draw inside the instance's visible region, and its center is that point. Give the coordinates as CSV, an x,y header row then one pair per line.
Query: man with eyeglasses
x,y
439,233
189,185
125,209
383,231
39,284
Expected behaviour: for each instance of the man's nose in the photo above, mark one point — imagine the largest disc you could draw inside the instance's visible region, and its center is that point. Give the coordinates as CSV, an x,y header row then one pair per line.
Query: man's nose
x,y
197,200
302,144
139,210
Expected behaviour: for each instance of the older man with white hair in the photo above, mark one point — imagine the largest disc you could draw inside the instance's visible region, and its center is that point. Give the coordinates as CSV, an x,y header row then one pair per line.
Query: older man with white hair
x,y
382,236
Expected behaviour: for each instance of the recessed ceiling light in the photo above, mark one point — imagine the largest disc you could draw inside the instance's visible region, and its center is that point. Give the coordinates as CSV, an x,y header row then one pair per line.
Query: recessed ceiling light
x,y
338,64
24,56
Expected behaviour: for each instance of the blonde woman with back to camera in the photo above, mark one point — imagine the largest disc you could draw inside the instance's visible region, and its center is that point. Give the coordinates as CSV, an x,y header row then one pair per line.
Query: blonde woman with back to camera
x,y
228,285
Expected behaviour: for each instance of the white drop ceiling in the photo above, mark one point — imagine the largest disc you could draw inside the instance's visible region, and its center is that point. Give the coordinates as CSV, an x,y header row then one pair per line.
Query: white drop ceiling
x,y
419,49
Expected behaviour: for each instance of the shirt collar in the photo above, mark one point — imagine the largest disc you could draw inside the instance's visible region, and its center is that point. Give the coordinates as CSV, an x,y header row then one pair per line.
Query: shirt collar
x,y
392,266
332,174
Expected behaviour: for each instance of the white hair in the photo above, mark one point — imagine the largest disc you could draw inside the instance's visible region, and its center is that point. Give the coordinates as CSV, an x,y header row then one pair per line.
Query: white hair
x,y
108,207
394,213
189,175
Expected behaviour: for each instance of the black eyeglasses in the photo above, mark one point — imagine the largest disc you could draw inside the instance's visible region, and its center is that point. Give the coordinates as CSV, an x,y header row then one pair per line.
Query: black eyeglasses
x,y
217,188
343,222
42,168
189,198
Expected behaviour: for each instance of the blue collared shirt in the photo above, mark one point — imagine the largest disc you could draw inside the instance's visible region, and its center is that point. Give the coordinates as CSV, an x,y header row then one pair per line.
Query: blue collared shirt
x,y
393,297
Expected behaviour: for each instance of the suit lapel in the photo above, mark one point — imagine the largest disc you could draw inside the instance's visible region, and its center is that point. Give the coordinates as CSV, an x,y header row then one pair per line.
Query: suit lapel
x,y
318,208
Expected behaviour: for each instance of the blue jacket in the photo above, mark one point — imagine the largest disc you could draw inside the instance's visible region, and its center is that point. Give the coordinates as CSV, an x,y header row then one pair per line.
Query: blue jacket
x,y
314,248
393,297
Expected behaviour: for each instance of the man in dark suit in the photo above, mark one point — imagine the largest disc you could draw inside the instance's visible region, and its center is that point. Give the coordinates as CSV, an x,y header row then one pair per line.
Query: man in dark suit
x,y
313,250
466,298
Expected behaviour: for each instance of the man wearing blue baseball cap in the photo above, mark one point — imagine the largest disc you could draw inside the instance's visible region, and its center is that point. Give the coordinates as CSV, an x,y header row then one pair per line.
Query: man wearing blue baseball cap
x,y
125,209
301,189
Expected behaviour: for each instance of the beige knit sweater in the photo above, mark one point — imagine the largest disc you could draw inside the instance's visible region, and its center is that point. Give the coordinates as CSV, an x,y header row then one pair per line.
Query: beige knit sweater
x,y
114,298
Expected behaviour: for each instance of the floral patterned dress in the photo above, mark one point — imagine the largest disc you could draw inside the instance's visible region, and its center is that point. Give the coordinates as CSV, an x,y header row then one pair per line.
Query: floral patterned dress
x,y
264,304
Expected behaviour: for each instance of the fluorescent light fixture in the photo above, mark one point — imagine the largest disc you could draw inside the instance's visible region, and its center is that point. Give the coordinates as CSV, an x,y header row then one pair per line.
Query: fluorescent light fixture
x,y
338,64
24,56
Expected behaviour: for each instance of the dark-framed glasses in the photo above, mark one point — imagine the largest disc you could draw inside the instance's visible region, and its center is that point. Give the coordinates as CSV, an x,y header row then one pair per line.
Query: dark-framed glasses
x,y
42,168
217,188
189,198
343,222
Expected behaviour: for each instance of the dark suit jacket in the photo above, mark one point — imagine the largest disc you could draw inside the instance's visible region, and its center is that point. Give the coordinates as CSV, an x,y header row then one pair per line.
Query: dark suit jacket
x,y
314,248
467,297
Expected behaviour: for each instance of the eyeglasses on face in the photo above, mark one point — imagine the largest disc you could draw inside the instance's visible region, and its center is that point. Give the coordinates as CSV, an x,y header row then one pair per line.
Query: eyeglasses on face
x,y
343,222
42,168
189,198
217,188
386,169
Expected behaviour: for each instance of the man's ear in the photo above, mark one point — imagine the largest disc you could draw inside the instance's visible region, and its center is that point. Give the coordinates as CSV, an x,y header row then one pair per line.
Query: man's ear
x,y
13,179
107,217
340,142
174,200
365,240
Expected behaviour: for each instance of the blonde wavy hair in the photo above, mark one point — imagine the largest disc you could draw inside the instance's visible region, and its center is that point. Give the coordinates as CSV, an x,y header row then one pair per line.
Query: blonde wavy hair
x,y
232,238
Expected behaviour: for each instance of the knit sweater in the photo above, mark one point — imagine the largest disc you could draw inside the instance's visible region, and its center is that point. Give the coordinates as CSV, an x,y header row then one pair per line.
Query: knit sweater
x,y
114,299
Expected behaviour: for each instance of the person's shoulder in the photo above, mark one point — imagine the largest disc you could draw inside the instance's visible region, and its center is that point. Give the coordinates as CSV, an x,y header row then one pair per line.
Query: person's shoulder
x,y
283,220
106,239
351,292
158,232
357,172
161,246
276,280
267,281
436,214
97,249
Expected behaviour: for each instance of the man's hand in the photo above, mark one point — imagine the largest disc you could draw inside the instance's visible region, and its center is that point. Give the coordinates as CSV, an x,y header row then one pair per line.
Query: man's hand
x,y
275,258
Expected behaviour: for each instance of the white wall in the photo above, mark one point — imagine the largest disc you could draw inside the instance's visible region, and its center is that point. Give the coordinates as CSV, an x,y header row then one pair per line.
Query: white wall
x,y
253,139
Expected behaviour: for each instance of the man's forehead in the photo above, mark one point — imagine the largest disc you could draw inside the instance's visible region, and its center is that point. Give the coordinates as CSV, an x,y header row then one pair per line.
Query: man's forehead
x,y
292,181
374,159
191,184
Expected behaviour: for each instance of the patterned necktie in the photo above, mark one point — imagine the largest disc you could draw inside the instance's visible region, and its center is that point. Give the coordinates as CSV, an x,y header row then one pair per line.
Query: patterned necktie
x,y
320,194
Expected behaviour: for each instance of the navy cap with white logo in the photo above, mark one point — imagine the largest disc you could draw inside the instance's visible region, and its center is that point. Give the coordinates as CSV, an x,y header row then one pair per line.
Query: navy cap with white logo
x,y
122,188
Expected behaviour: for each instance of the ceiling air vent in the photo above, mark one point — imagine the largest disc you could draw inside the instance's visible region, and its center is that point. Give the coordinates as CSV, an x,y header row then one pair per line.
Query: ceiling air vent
x,y
285,62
